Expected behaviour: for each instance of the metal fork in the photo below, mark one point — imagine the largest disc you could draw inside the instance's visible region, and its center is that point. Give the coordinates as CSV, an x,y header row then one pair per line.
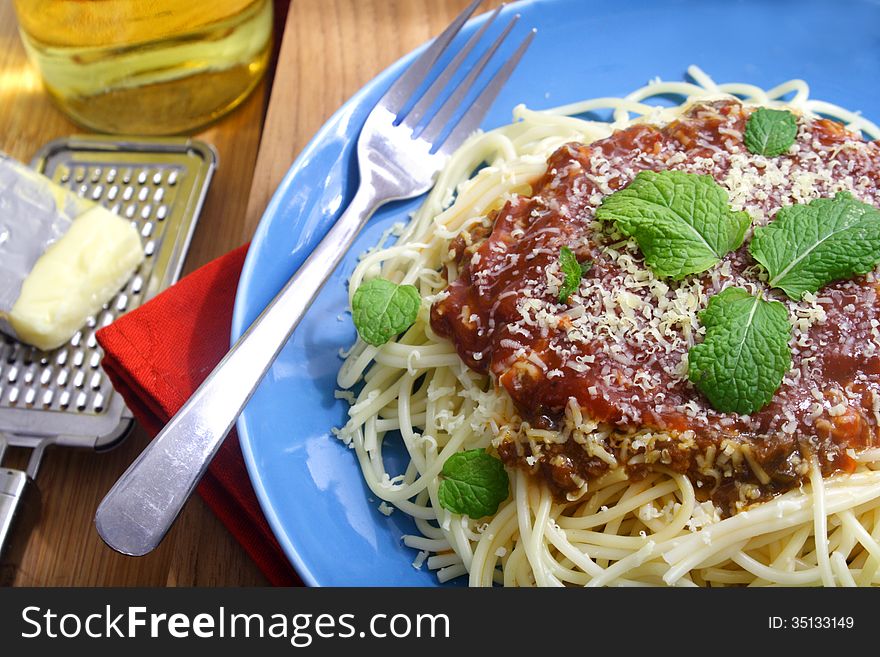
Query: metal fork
x,y
400,150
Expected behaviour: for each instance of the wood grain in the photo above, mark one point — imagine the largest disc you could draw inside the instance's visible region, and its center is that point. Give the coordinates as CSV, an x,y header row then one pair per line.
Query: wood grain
x,y
330,49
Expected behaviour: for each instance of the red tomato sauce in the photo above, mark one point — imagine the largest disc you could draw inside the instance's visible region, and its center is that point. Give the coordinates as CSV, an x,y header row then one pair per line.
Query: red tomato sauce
x,y
505,318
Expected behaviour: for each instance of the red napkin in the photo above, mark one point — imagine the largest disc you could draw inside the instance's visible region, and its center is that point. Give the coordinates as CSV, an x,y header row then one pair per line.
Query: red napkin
x,y
156,357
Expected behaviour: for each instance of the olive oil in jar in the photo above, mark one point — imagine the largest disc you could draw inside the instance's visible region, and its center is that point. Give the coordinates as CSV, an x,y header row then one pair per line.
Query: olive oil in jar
x,y
147,66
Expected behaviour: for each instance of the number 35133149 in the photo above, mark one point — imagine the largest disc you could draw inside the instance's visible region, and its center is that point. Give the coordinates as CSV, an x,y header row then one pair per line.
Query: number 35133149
x,y
811,623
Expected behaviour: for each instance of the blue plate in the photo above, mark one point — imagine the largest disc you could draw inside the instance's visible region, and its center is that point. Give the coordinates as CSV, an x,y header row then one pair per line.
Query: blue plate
x,y
308,483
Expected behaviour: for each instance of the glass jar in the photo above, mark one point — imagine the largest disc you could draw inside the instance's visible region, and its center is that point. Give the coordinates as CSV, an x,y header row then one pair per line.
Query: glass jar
x,y
152,67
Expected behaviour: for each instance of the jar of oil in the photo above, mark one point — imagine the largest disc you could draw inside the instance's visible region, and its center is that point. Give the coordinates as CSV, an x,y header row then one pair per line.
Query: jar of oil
x,y
152,67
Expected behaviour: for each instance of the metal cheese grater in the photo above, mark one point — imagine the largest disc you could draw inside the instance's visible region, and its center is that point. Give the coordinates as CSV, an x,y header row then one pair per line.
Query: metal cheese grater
x,y
63,397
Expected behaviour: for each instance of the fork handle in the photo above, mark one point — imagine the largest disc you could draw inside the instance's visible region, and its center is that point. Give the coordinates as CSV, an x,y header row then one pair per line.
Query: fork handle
x,y
138,511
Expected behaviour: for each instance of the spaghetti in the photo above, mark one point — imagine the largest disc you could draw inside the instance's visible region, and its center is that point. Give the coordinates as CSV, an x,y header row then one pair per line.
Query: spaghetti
x,y
618,520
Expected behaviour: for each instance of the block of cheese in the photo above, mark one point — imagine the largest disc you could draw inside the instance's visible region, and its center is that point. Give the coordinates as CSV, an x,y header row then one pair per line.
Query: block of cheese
x,y
61,257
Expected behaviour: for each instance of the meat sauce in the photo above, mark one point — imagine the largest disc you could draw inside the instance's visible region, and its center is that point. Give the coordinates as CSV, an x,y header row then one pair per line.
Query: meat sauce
x,y
613,352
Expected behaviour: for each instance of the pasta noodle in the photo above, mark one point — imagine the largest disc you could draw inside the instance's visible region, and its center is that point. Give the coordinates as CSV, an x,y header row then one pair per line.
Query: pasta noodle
x,y
416,389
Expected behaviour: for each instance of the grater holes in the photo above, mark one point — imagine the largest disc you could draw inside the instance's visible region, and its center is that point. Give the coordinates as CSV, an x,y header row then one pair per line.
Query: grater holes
x,y
70,379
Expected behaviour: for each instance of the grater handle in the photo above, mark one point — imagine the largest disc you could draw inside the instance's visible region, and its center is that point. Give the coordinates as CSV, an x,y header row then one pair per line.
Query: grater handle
x,y
142,505
13,484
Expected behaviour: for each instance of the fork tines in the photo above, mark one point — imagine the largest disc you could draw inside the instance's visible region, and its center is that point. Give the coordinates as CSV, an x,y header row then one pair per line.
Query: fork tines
x,y
411,110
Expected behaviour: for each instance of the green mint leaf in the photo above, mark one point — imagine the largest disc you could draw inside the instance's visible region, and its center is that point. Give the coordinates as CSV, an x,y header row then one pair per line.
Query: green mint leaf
x,y
382,309
807,246
573,272
745,354
770,132
681,221
474,484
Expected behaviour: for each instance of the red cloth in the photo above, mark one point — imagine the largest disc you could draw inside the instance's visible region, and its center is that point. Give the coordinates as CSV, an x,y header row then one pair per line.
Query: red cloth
x,y
157,355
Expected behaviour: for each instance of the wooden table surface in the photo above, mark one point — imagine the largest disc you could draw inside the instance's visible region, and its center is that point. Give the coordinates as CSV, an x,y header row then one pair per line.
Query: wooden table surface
x,y
330,48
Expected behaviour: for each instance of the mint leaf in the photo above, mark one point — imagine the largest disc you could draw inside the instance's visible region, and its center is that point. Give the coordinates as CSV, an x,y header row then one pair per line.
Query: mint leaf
x,y
474,484
573,272
681,221
807,246
382,309
770,132
745,354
